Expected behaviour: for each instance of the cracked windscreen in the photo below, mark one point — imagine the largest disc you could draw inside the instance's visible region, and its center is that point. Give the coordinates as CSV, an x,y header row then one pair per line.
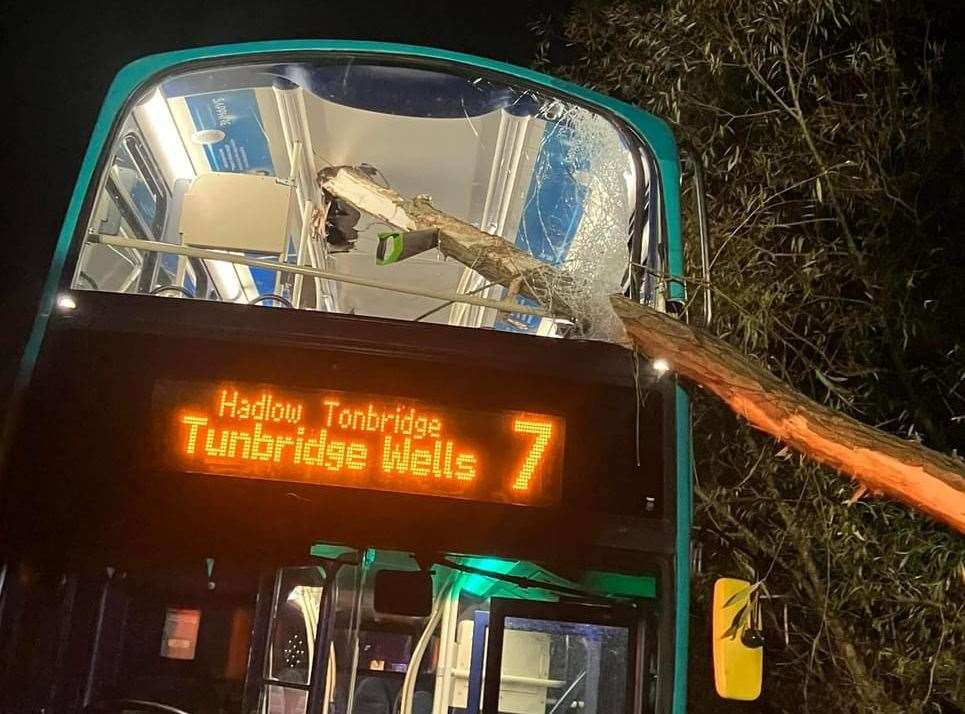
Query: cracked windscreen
x,y
366,188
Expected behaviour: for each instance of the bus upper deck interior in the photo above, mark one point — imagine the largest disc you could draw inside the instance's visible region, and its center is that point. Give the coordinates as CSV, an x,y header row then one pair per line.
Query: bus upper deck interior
x,y
267,463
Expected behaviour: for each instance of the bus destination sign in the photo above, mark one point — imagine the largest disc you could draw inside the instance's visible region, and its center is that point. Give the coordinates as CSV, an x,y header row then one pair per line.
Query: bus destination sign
x,y
359,440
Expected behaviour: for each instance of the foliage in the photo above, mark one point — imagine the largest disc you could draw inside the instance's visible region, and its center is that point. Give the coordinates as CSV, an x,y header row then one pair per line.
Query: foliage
x,y
834,173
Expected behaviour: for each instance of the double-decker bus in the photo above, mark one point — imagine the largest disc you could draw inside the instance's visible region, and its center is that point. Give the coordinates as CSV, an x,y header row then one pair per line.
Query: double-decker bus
x,y
271,451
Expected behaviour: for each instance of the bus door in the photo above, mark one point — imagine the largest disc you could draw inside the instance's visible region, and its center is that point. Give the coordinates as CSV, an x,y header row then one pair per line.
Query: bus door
x,y
448,641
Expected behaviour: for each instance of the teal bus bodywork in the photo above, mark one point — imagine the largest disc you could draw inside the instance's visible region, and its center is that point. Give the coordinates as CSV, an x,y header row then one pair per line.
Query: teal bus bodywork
x,y
651,129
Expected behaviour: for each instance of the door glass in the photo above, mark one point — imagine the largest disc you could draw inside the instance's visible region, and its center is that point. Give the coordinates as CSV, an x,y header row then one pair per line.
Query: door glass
x,y
343,652
299,592
285,700
550,667
295,620
288,665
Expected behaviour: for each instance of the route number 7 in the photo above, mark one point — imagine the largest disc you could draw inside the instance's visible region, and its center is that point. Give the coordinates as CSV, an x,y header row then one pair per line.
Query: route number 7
x,y
543,431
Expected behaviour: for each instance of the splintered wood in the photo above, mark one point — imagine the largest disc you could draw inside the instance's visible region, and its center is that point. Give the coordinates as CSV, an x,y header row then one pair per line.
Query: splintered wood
x,y
495,259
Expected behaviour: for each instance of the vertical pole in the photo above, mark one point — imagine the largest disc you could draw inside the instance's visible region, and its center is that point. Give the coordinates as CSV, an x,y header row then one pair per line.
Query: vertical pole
x,y
90,685
260,633
3,589
324,633
591,680
69,588
303,238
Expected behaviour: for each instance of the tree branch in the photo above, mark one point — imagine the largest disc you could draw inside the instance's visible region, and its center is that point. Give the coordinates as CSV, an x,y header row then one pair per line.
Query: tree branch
x,y
496,259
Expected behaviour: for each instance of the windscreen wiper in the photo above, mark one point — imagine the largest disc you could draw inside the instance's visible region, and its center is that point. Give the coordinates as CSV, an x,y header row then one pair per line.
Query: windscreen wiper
x,y
526,583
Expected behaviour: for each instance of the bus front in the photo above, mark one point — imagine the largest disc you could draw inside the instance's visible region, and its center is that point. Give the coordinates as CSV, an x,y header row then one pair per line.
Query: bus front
x,y
283,442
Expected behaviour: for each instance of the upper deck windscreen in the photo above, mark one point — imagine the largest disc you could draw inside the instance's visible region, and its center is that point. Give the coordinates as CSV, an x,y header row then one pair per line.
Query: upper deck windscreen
x,y
229,164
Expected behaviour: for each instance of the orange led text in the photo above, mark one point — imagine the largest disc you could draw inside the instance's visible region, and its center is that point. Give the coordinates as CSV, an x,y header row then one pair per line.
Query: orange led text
x,y
395,439
368,441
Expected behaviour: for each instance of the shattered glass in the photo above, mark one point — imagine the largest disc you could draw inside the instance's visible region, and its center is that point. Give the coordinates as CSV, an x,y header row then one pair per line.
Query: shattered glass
x,y
229,158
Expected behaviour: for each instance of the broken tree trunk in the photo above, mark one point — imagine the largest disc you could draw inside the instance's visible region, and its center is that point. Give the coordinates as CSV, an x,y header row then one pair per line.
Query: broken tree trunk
x,y
495,259
925,480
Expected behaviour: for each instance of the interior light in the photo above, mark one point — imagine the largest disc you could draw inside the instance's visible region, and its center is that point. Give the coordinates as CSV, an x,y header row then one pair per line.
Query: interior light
x,y
660,366
66,302
172,152
229,282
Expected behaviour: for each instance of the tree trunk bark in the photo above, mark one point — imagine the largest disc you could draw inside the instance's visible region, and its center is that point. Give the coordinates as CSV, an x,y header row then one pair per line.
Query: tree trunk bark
x,y
925,480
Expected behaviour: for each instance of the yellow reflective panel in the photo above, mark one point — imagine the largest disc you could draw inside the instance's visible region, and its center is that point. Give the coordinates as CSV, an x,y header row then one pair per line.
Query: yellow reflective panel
x,y
738,669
